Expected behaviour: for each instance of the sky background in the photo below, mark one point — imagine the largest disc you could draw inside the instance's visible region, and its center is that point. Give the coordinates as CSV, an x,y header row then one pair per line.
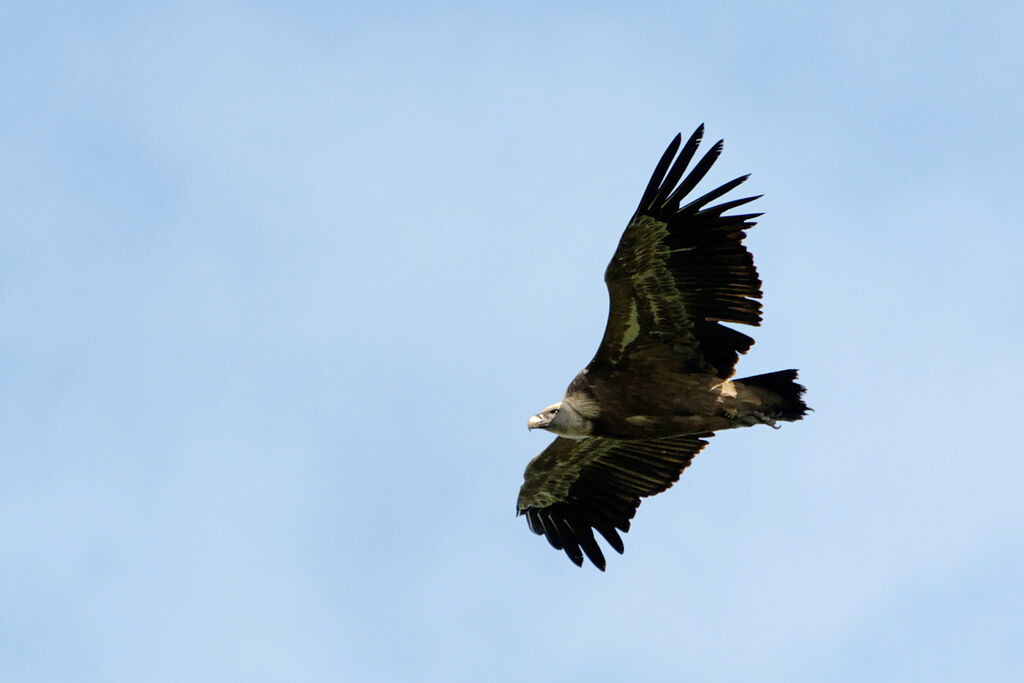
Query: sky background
x,y
281,284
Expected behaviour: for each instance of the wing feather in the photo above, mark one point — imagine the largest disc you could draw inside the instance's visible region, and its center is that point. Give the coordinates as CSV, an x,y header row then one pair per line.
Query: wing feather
x,y
578,485
678,273
655,183
697,174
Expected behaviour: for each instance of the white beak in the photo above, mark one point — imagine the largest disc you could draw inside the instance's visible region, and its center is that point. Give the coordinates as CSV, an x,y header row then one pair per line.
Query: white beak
x,y
537,422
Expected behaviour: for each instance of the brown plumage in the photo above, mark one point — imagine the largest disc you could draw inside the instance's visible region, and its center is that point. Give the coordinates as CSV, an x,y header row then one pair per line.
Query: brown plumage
x,y
633,419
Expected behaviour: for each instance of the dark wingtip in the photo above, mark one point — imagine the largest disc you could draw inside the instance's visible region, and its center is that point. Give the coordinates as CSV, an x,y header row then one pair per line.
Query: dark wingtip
x,y
607,530
589,546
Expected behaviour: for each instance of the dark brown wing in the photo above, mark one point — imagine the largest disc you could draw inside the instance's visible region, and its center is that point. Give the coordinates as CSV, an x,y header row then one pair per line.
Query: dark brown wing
x,y
577,485
679,270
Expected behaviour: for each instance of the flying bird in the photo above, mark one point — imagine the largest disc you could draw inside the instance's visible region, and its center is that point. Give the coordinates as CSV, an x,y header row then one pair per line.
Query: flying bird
x,y
659,385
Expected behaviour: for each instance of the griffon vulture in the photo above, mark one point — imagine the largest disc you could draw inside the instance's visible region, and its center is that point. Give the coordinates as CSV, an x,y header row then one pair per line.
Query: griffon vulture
x,y
659,386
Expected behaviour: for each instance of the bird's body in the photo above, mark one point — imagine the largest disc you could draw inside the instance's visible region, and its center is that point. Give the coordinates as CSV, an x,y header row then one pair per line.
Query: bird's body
x,y
659,385
654,404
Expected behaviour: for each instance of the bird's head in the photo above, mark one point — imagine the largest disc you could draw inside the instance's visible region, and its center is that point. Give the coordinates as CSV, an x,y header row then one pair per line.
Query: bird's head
x,y
545,419
563,419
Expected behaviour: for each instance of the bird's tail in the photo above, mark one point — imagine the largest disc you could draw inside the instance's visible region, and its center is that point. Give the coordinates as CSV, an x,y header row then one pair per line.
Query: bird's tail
x,y
791,406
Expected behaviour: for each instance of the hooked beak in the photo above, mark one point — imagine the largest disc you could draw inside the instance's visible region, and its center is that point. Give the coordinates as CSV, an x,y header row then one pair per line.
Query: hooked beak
x,y
537,422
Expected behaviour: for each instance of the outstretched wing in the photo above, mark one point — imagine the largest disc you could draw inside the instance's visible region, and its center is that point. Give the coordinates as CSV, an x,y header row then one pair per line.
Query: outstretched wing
x,y
679,270
577,485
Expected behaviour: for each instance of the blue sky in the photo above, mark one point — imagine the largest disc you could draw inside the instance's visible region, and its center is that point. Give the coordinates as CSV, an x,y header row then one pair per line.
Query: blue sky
x,y
280,285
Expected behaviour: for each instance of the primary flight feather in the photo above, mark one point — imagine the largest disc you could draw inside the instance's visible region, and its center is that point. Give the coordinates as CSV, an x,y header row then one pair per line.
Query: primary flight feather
x,y
658,387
